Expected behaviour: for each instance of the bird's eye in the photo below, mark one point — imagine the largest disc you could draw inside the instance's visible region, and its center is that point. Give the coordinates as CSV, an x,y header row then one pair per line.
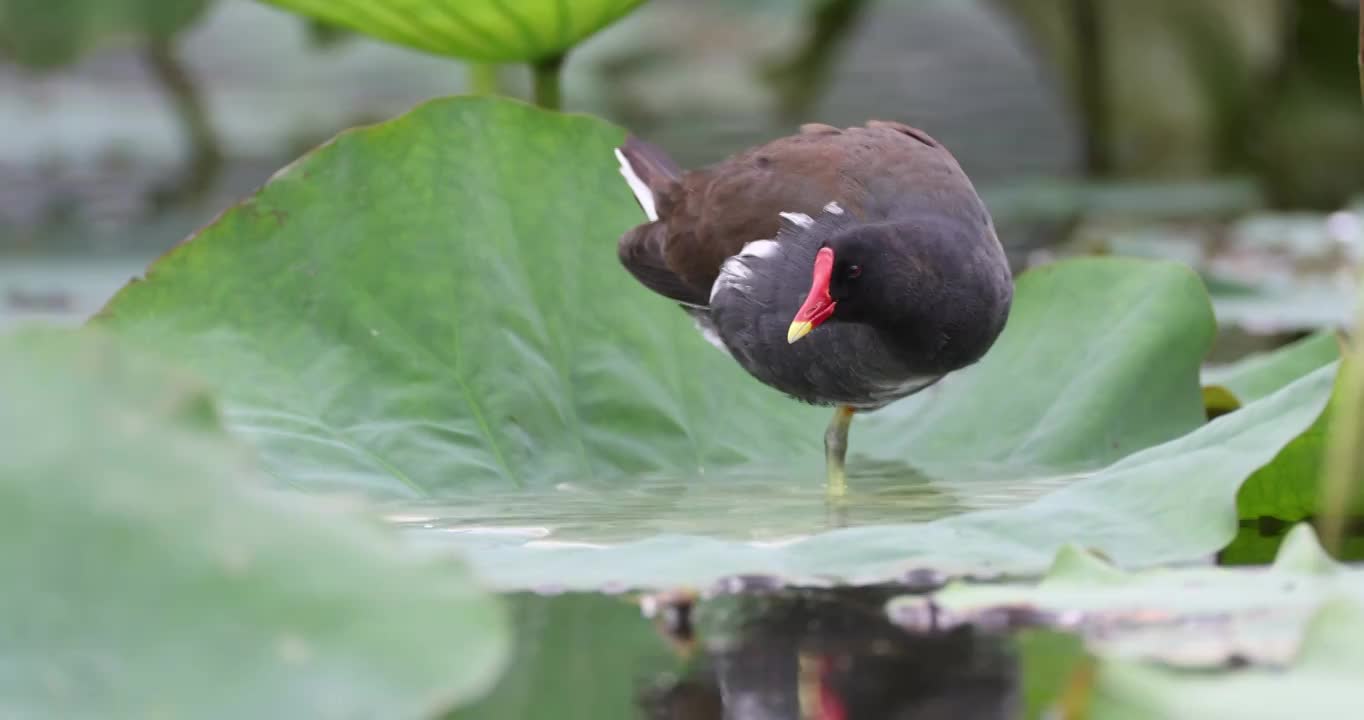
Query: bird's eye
x,y
854,272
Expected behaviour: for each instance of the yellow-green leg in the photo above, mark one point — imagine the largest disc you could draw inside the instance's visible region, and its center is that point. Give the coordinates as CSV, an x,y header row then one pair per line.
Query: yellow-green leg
x,y
836,449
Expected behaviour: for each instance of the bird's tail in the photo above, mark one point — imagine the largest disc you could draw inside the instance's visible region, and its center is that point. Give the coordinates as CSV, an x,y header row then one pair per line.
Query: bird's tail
x,y
649,172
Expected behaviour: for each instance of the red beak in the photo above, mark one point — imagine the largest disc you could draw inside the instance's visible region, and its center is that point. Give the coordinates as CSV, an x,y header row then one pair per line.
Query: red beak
x,y
818,305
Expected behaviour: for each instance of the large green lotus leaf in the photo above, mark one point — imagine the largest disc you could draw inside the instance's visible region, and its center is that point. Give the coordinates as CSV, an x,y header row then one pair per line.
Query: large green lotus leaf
x,y
47,33
430,311
1170,503
154,573
485,30
1099,359
433,307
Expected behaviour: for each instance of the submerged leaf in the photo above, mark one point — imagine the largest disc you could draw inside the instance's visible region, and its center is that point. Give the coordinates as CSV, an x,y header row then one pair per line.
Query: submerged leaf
x,y
156,575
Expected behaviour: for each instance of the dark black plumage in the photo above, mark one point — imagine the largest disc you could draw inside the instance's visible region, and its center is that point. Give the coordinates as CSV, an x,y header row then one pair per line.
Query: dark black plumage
x,y
736,243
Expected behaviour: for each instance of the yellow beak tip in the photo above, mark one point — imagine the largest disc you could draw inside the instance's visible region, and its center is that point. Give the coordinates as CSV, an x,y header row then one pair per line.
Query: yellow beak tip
x,y
797,331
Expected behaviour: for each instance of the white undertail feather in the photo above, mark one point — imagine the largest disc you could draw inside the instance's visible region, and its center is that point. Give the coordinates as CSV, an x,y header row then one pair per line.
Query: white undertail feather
x,y
637,186
711,336
800,219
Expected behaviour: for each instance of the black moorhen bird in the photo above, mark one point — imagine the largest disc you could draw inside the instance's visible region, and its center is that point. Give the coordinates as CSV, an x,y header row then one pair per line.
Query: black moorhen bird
x,y
868,242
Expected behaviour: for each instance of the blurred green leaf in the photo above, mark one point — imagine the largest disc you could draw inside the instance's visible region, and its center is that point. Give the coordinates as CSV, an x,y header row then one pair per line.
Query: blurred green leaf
x,y
1321,682
323,34
431,311
482,30
1189,642
51,33
1053,664
1254,615
156,575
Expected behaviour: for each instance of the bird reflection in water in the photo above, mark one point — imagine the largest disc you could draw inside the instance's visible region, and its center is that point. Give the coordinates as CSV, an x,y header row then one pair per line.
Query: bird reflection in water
x,y
826,655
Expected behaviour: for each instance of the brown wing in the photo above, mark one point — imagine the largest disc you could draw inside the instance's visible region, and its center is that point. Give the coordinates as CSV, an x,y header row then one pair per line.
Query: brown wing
x,y
904,129
643,251
706,216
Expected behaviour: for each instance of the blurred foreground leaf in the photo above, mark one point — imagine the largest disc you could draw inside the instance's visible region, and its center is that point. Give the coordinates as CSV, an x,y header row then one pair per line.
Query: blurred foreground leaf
x,y
1191,642
155,574
1189,617
1322,680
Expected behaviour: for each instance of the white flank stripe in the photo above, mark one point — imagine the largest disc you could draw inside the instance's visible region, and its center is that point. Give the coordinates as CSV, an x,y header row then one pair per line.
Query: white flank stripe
x,y
833,208
637,186
800,219
711,336
731,273
736,269
760,249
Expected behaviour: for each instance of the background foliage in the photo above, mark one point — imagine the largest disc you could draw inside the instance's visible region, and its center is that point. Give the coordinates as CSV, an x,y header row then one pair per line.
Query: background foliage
x,y
345,358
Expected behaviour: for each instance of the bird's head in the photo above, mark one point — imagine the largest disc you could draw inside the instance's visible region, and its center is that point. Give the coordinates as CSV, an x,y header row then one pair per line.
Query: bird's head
x,y
935,278
850,282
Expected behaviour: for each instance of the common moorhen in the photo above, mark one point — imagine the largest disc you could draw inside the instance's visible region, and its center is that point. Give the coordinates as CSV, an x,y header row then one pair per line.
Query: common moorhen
x,y
869,240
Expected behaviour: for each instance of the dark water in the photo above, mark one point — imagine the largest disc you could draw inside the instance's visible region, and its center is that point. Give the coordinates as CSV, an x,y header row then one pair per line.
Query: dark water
x,y
766,655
